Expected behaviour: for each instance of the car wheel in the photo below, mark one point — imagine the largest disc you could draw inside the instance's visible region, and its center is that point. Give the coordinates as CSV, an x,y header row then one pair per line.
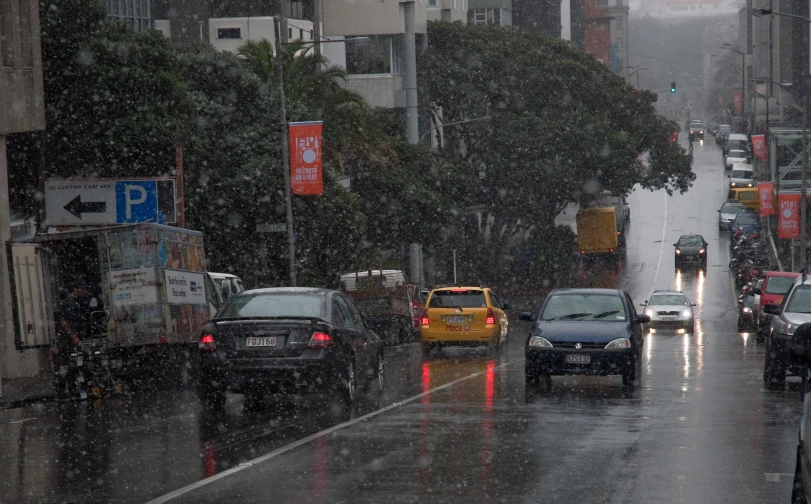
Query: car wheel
x,y
778,374
254,400
379,376
767,366
427,349
741,327
349,384
629,374
494,348
798,489
531,378
212,395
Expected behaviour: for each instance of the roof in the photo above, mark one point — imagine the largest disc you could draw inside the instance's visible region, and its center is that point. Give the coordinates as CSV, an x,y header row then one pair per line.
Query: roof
x,y
691,236
374,272
459,287
222,275
581,290
668,290
737,136
743,167
780,274
288,290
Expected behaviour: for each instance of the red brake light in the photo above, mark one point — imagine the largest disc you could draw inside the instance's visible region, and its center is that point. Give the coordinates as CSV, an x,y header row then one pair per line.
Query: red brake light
x,y
582,252
424,321
491,317
207,343
320,340
459,291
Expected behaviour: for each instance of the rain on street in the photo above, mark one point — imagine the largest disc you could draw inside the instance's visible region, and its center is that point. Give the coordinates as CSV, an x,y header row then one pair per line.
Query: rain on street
x,y
460,426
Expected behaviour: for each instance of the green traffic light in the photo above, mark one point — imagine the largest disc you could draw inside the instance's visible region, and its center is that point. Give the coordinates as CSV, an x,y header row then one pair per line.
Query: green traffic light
x,y
672,87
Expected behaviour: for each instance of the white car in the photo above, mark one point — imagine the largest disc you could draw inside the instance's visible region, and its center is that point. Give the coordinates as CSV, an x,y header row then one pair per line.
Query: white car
x,y
743,175
728,212
734,156
670,309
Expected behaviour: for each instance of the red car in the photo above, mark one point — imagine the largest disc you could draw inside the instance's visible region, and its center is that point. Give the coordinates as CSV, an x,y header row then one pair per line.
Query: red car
x,y
775,286
674,137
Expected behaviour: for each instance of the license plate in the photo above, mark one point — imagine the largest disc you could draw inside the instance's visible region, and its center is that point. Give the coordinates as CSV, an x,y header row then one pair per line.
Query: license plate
x,y
457,319
578,359
260,341
116,363
669,317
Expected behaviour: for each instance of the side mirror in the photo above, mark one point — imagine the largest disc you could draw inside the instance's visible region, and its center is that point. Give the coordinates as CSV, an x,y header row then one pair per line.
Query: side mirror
x,y
425,294
757,290
693,304
642,319
675,244
643,304
525,315
506,305
771,309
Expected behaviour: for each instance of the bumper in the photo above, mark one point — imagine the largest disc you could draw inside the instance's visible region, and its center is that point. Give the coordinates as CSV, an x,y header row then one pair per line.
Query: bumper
x,y
781,346
603,362
282,374
484,336
669,324
691,258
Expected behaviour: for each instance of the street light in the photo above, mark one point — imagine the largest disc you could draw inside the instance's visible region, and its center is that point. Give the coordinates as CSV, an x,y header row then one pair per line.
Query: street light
x,y
803,212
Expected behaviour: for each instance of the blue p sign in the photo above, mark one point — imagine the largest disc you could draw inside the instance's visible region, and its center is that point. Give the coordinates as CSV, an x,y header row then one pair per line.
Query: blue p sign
x,y
136,201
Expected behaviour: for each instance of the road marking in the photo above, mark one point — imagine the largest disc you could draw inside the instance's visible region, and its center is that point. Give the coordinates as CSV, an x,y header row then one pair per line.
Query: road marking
x,y
286,448
661,248
775,477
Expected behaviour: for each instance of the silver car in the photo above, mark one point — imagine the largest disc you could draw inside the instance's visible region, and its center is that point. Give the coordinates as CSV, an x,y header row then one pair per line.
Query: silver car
x,y
670,309
728,212
794,311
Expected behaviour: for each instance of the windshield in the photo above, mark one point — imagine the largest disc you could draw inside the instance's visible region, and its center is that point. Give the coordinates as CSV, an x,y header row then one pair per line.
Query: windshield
x,y
732,208
738,145
800,300
779,285
668,299
458,299
696,126
273,305
742,174
584,306
691,241
746,219
737,154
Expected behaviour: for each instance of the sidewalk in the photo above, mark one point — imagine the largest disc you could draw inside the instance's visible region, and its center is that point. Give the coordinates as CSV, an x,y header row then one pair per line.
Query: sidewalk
x,y
21,391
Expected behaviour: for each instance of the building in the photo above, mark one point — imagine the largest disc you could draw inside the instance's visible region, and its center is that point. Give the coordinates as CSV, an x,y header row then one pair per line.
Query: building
x,y
22,108
231,33
135,13
498,12
543,16
684,9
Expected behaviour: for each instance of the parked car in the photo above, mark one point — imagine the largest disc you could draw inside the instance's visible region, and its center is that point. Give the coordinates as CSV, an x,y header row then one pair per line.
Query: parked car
x,y
670,309
743,175
746,196
739,142
692,249
220,287
721,134
734,157
464,316
801,489
584,332
749,307
793,312
774,288
748,221
728,212
287,340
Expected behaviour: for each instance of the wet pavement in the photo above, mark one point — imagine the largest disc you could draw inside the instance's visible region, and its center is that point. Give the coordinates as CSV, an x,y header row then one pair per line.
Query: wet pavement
x,y
700,426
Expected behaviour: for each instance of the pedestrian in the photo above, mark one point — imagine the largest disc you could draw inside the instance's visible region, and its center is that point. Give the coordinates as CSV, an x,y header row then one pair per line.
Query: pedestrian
x,y
74,323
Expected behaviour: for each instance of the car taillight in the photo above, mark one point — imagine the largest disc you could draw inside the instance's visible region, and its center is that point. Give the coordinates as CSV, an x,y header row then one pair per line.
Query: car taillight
x,y
320,340
207,343
491,317
424,321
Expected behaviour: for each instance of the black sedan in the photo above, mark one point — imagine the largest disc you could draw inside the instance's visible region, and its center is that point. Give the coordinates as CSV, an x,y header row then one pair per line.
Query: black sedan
x,y
287,340
584,332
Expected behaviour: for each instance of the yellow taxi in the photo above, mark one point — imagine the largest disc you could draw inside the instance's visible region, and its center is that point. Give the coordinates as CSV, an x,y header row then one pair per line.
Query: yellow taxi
x,y
463,316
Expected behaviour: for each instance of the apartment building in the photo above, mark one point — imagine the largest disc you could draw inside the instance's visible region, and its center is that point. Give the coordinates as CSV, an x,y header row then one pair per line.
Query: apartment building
x,y
135,13
496,12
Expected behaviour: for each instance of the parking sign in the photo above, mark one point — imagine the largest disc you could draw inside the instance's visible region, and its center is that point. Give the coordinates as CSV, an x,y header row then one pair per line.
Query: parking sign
x,y
136,201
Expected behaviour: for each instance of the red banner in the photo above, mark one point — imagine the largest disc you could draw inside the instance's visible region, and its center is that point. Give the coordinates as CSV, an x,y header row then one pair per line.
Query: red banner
x,y
765,191
737,100
759,146
306,176
721,100
788,220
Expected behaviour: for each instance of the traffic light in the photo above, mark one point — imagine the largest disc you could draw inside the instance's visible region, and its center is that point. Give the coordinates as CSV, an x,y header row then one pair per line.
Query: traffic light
x,y
672,87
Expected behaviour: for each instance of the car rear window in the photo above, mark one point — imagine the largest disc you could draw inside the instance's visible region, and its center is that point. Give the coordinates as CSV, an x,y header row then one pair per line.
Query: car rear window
x,y
458,298
742,174
746,218
778,285
274,305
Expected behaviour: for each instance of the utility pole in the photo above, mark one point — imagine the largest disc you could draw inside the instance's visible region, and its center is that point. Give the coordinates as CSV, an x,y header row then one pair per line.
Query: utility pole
x,y
748,59
281,39
412,120
317,27
803,212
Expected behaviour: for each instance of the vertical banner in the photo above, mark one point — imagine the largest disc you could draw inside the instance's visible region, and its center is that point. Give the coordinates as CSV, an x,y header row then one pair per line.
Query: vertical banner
x,y
306,176
737,100
788,220
765,191
721,100
759,146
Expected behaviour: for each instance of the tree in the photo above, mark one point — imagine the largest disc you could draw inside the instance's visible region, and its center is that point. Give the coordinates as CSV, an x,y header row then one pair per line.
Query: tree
x,y
565,130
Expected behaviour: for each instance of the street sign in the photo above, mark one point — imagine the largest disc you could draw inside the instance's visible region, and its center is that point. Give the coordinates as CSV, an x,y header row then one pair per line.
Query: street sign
x,y
100,202
278,227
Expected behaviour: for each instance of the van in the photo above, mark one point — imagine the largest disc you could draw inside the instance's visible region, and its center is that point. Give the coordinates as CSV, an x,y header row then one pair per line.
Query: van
x,y
743,175
747,196
737,141
220,287
372,279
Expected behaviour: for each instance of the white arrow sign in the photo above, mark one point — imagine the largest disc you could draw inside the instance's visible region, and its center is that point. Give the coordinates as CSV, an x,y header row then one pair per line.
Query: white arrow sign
x,y
70,202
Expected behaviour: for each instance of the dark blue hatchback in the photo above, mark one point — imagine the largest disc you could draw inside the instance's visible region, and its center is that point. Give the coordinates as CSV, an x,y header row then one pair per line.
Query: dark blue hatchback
x,y
749,221
584,332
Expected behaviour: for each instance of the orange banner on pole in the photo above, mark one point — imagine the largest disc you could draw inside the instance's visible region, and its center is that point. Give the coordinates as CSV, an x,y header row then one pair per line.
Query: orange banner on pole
x,y
759,146
765,191
788,220
306,175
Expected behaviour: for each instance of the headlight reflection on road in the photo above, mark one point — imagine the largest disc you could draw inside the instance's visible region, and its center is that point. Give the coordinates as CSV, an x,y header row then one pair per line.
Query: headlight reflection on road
x,y
686,354
745,337
678,280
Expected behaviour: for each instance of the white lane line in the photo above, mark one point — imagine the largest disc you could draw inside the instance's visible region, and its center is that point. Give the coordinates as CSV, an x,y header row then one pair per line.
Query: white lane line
x,y
286,448
775,477
661,249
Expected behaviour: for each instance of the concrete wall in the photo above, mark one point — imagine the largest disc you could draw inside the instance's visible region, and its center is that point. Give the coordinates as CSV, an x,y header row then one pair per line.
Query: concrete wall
x,y
353,18
21,97
384,90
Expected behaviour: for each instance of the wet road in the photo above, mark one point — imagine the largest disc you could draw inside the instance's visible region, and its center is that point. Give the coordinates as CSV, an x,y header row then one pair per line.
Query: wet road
x,y
459,427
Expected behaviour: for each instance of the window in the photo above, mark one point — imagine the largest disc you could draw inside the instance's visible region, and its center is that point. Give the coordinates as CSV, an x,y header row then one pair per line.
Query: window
x,y
602,3
461,298
340,316
495,300
273,305
445,15
432,3
229,33
380,54
349,318
485,16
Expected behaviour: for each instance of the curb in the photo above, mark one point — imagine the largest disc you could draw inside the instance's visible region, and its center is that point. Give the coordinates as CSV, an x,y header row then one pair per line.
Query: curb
x,y
11,403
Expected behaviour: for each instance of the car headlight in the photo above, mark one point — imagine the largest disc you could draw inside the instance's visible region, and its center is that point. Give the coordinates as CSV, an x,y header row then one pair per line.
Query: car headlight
x,y
747,309
537,341
787,328
618,344
686,312
750,185
701,251
650,312
733,184
678,251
